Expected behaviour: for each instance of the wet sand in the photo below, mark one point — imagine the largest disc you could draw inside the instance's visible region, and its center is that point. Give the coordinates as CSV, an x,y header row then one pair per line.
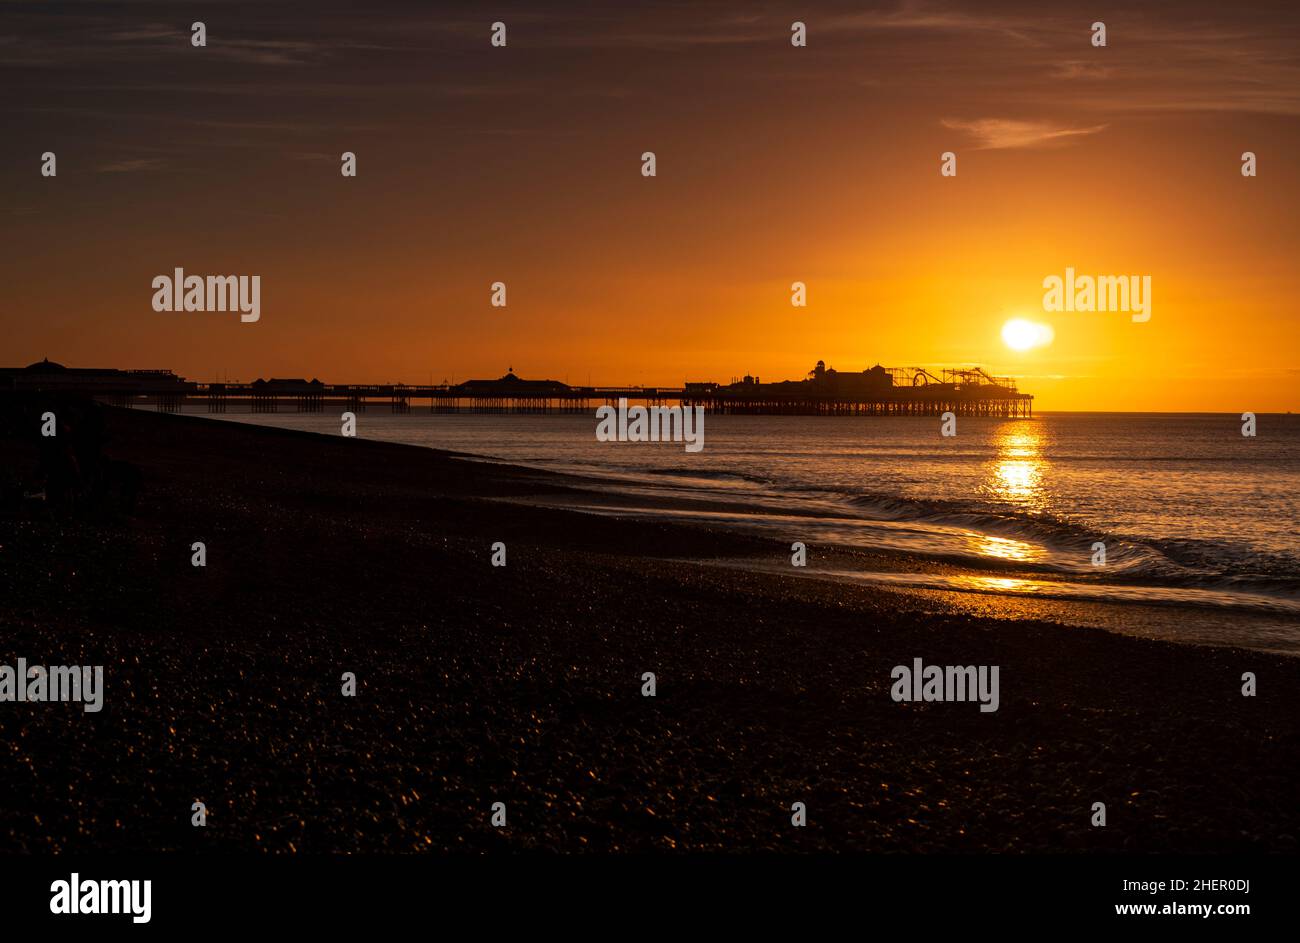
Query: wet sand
x,y
522,684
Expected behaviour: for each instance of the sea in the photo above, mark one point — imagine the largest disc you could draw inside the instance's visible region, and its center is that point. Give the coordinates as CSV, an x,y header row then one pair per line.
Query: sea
x,y
1165,525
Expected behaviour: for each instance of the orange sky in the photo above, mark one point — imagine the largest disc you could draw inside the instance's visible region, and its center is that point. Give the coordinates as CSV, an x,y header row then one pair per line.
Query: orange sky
x,y
775,164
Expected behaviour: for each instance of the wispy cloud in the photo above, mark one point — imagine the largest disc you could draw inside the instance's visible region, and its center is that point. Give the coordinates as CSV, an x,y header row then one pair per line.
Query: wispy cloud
x,y
1077,69
132,166
1004,133
920,17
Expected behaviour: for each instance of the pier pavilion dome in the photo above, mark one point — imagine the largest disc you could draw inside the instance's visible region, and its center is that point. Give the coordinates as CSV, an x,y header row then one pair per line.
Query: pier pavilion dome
x,y
45,366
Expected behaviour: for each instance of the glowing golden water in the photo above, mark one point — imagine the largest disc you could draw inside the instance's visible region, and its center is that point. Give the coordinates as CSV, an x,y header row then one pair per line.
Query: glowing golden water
x,y
1014,476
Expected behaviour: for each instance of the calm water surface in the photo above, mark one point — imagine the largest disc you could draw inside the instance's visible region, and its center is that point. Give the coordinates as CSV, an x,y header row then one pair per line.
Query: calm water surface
x,y
1192,513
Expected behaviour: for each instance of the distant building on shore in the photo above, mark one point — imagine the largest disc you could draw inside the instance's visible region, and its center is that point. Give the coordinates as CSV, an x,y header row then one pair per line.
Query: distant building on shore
x,y
46,376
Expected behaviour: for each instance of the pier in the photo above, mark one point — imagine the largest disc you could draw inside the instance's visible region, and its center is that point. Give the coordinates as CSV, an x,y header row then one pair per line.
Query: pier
x,y
878,391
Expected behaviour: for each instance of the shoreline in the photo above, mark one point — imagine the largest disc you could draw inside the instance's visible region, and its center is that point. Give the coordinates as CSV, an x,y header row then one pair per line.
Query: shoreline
x,y
523,683
1224,612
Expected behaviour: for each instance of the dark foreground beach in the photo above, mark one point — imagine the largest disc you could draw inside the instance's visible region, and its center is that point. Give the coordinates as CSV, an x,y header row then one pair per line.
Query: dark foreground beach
x,y
523,684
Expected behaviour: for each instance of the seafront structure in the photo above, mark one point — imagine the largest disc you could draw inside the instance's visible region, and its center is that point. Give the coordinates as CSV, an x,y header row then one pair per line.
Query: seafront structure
x,y
877,391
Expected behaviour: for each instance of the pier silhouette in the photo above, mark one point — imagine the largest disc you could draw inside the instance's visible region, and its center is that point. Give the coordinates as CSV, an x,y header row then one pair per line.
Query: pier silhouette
x,y
878,391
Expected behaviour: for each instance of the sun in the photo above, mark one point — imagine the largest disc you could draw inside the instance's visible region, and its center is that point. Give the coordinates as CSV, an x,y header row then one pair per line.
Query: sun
x,y
1019,334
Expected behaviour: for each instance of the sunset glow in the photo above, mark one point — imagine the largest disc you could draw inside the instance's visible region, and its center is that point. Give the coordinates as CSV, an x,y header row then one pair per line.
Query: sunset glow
x,y
775,165
1026,335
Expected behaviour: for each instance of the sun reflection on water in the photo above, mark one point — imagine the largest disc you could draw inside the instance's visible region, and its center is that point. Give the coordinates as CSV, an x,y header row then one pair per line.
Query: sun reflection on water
x,y
1016,474
1006,548
997,584
1015,477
